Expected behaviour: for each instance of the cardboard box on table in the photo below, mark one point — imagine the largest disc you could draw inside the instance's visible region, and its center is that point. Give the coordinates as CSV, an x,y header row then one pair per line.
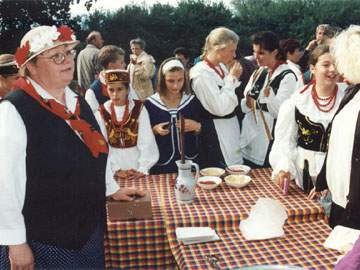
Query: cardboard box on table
x,y
139,208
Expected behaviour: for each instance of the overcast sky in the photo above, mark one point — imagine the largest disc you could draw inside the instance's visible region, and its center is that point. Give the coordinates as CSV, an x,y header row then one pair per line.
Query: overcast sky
x,y
115,4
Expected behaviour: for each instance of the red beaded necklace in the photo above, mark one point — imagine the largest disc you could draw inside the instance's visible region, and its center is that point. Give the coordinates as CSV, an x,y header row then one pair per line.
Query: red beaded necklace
x,y
329,100
125,117
217,69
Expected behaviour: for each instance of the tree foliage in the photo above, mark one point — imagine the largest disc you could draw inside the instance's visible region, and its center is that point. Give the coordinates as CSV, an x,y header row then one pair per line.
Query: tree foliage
x,y
17,17
165,27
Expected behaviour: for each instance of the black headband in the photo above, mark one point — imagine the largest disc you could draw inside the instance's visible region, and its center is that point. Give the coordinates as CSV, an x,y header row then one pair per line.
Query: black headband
x,y
8,70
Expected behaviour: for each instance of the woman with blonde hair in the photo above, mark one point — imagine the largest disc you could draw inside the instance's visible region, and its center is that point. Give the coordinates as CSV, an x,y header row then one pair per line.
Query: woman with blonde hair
x,y
214,85
341,171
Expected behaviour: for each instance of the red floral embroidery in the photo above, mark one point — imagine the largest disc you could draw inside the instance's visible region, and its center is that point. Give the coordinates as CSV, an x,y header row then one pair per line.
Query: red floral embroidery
x,y
65,33
22,54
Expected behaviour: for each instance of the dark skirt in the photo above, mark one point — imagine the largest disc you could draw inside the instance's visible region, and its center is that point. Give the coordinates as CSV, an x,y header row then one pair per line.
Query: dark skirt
x,y
90,256
344,217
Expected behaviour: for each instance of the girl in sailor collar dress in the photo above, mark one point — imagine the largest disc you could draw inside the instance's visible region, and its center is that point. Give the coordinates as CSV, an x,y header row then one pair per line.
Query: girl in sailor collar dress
x,y
267,89
164,109
301,132
125,123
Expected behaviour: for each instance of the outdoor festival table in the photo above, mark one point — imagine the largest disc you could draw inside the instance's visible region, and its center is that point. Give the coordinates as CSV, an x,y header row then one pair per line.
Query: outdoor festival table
x,y
144,243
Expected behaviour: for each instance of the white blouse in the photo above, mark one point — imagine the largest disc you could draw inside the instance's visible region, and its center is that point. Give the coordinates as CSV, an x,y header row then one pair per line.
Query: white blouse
x,y
140,157
13,143
285,155
338,164
254,142
218,97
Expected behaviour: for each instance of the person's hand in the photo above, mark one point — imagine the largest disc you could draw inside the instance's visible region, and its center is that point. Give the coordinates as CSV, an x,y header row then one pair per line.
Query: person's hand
x,y
190,125
236,69
127,194
133,174
21,257
314,195
266,91
161,129
133,59
250,102
312,45
280,178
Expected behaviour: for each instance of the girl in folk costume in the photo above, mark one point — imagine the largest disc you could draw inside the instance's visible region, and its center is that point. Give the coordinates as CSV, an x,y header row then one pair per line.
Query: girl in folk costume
x,y
109,57
165,108
53,177
9,73
214,85
302,127
341,171
125,123
267,89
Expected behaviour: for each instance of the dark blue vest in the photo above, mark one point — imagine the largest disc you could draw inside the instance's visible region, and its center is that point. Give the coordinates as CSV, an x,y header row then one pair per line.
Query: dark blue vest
x,y
65,187
96,87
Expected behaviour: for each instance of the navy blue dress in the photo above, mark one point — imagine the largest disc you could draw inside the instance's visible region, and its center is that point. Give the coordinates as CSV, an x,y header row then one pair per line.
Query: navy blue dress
x,y
169,146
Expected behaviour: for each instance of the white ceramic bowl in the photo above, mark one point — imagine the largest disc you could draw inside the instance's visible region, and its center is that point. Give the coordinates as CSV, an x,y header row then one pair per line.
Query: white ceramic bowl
x,y
238,169
212,171
208,182
237,180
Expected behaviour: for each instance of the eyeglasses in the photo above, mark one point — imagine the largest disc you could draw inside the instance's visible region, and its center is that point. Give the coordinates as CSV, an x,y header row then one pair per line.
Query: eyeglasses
x,y
59,58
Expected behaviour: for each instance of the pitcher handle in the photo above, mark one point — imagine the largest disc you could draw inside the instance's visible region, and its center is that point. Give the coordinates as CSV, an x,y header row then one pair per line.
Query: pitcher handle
x,y
197,170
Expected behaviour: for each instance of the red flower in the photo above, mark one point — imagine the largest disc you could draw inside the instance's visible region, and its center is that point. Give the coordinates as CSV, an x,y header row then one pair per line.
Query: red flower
x,y
22,54
65,33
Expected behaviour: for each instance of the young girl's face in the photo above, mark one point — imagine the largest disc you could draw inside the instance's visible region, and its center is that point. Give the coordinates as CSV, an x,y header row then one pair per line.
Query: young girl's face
x,y
174,81
118,94
324,70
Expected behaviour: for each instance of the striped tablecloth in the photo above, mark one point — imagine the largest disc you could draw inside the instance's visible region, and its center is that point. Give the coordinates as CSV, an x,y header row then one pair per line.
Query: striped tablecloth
x,y
135,244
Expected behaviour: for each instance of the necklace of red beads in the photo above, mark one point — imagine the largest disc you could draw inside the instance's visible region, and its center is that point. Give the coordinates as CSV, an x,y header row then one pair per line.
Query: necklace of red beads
x,y
328,101
125,115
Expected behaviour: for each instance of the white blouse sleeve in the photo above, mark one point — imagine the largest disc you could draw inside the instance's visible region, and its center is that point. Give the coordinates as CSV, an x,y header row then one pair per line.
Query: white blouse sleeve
x,y
284,150
217,101
91,99
111,185
148,150
13,142
244,107
286,88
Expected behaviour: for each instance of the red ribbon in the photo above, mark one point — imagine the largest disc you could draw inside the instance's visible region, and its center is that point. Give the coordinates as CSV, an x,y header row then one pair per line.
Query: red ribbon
x,y
91,137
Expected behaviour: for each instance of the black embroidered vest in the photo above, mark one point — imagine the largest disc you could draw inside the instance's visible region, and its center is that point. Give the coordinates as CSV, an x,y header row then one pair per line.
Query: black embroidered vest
x,y
123,136
65,185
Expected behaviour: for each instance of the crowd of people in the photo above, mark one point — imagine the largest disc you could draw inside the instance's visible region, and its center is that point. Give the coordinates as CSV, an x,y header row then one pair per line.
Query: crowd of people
x,y
62,152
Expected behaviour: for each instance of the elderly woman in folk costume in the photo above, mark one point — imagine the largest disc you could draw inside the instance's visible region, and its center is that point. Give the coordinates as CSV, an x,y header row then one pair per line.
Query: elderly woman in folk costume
x,y
125,124
9,73
301,132
341,171
53,172
165,108
267,89
214,85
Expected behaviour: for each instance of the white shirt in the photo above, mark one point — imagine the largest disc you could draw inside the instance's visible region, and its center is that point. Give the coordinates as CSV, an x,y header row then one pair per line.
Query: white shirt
x,y
285,155
338,166
13,143
296,69
218,97
254,142
140,157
